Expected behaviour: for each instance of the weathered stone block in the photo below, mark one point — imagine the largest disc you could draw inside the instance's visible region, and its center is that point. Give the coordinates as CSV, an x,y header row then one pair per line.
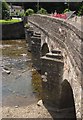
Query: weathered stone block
x,y
52,68
29,33
36,51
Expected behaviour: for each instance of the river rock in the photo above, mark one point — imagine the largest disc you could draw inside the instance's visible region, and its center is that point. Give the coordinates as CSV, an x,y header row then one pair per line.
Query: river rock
x,y
16,106
40,103
33,70
7,71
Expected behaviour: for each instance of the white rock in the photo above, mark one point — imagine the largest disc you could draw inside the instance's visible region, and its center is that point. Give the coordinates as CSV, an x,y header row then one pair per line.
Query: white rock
x,y
16,106
24,54
33,70
45,80
7,71
40,103
13,92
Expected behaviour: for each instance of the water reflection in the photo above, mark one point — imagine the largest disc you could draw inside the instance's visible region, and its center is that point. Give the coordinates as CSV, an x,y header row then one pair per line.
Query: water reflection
x,y
22,85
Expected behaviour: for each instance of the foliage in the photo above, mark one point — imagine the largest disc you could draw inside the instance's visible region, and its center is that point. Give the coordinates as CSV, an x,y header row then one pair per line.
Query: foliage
x,y
27,26
0,10
29,12
66,10
9,21
42,11
80,11
21,14
5,10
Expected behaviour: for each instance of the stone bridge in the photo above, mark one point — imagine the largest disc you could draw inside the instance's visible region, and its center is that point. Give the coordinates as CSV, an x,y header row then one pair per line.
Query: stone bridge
x,y
56,47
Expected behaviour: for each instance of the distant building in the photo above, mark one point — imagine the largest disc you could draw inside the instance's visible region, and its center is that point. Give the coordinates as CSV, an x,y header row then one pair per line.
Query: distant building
x,y
16,10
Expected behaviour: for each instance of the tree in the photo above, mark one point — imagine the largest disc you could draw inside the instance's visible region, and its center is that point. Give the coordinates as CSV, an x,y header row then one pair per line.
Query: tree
x,y
29,12
42,11
5,10
0,10
80,11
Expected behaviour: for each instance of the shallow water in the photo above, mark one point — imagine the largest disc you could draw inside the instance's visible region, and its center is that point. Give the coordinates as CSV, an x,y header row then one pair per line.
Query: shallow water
x,y
22,85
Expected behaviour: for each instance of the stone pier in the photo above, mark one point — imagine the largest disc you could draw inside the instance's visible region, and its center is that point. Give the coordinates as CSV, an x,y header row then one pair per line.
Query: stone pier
x,y
52,75
36,50
28,33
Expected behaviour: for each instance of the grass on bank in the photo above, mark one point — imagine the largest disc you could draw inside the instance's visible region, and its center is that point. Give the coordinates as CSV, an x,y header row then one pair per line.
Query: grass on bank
x,y
9,21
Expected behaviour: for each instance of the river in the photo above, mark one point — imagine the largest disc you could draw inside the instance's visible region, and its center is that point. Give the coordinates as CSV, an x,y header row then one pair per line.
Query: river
x,y
21,84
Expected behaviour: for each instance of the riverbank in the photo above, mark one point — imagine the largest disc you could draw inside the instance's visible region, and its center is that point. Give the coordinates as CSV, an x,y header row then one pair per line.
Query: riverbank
x,y
13,31
21,87
31,111
9,21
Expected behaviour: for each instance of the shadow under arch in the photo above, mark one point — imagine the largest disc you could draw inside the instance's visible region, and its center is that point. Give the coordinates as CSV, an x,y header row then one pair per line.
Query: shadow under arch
x,y
66,109
67,99
44,49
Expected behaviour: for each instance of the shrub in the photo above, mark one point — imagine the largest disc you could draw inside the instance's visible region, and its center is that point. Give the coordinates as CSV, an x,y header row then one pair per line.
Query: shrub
x,y
42,11
0,10
21,14
29,12
5,14
66,10
80,11
5,10
27,26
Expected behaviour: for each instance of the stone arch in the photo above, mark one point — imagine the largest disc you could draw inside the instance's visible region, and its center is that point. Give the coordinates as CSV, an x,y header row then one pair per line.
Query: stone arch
x,y
44,49
67,98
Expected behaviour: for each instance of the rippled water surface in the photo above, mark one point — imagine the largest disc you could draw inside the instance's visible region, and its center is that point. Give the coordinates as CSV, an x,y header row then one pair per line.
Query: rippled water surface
x,y
21,84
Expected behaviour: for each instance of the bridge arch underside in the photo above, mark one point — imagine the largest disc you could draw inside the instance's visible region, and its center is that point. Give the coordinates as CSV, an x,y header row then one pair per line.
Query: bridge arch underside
x,y
44,49
69,43
67,98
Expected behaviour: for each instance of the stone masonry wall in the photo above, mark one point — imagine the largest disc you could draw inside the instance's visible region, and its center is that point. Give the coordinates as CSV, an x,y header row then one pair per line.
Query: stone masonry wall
x,y
66,37
13,31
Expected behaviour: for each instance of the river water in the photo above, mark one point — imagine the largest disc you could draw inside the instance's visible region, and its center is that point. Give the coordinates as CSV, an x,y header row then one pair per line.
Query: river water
x,y
21,84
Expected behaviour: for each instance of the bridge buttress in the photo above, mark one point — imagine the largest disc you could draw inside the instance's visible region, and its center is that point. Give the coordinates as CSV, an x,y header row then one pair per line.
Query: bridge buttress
x,y
52,75
28,33
36,50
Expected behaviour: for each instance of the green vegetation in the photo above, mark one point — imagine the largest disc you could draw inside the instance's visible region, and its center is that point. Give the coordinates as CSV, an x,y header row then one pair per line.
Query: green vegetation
x,y
80,11
18,13
29,12
66,10
0,10
5,10
42,11
21,14
27,26
9,21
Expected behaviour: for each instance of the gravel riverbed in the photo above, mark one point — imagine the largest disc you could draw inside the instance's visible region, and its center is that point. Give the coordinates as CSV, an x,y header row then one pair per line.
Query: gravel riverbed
x,y
31,111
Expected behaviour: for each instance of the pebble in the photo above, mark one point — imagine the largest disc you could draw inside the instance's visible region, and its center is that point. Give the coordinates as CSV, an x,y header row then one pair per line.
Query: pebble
x,y
39,103
33,70
7,71
13,92
16,106
24,54
25,96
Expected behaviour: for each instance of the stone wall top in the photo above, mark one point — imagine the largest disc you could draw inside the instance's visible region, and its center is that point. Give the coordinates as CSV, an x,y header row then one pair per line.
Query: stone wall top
x,y
77,28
